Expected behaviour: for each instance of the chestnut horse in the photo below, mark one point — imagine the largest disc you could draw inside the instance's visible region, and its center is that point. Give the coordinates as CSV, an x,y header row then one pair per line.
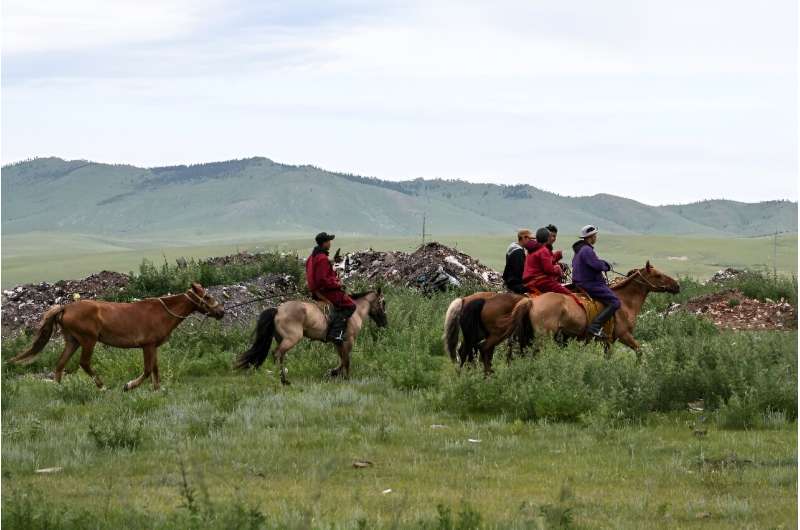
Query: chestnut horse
x,y
485,320
146,324
291,321
553,313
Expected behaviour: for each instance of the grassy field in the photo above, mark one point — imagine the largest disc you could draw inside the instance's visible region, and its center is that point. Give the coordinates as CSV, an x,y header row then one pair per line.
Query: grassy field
x,y
48,257
566,439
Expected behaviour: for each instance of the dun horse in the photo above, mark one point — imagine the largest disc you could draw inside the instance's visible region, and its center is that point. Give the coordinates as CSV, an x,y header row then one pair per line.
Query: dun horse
x,y
146,324
553,313
291,321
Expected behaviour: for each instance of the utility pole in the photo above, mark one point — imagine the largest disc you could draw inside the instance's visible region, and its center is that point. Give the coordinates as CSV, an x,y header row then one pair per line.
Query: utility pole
x,y
424,216
775,255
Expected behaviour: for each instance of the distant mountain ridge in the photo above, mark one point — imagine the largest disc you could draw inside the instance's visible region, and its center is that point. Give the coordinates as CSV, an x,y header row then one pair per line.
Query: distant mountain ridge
x,y
257,195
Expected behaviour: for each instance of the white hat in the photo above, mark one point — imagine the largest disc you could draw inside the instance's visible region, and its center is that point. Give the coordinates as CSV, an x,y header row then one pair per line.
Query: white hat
x,y
588,230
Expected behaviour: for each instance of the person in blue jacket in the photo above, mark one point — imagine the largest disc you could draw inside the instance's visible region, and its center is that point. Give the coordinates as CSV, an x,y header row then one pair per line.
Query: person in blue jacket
x,y
587,273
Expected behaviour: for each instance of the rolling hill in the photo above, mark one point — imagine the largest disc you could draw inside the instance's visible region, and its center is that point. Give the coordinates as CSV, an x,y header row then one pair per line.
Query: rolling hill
x,y
257,196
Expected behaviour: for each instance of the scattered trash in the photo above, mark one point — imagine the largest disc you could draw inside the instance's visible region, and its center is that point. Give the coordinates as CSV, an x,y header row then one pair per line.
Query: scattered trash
x,y
703,515
697,406
438,426
360,464
46,470
473,440
387,491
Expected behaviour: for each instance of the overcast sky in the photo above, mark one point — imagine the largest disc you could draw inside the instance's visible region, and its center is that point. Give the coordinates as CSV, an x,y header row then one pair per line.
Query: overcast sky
x,y
662,101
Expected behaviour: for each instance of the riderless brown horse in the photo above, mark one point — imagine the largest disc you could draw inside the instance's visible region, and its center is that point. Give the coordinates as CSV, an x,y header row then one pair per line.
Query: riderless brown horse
x,y
484,319
553,313
291,321
146,324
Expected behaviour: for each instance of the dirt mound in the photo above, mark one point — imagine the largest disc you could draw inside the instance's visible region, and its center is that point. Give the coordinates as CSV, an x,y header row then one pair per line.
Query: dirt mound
x,y
24,305
731,309
431,267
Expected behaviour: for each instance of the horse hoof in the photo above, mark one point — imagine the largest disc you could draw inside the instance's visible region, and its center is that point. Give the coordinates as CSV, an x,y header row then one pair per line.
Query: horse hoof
x,y
125,387
285,382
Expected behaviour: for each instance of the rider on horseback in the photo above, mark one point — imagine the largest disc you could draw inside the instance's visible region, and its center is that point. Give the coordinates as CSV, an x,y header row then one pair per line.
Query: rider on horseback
x,y
515,262
324,284
587,273
542,271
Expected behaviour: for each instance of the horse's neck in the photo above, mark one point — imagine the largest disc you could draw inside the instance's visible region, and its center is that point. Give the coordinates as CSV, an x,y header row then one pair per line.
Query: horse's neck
x,y
632,296
362,306
179,304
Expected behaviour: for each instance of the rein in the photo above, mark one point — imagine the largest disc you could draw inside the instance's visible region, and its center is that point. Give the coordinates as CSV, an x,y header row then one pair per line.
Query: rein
x,y
641,278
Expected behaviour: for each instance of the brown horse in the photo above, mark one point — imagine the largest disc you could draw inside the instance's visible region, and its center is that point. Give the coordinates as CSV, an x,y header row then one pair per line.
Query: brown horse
x,y
146,324
291,321
485,319
553,313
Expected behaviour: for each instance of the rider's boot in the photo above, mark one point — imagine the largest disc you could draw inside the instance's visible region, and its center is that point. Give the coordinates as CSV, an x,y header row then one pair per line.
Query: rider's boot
x,y
336,331
596,327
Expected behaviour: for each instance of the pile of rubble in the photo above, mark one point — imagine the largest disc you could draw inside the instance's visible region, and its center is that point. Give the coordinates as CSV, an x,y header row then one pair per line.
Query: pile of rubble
x,y
727,274
24,305
731,309
431,267
244,301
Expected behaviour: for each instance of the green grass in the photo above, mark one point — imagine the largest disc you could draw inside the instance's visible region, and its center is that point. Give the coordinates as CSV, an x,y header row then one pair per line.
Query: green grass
x,y
567,438
45,257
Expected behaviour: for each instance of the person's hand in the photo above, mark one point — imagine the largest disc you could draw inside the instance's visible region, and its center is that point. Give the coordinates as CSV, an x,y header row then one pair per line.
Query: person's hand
x,y
557,255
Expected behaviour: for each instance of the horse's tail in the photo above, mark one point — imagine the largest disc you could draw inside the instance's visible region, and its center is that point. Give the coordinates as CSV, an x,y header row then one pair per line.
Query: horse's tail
x,y
523,327
471,328
451,320
264,333
49,321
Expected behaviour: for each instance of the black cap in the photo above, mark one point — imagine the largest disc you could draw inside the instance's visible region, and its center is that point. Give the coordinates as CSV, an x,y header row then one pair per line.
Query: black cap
x,y
323,237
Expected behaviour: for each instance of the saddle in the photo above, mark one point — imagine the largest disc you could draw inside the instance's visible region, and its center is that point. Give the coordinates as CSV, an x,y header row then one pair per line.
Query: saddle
x,y
590,306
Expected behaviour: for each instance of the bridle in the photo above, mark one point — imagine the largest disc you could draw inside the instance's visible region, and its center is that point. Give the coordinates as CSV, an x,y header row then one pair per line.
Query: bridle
x,y
198,301
641,279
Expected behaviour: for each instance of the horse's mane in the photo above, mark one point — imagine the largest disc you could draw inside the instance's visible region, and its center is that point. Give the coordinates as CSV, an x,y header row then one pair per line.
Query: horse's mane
x,y
362,294
620,283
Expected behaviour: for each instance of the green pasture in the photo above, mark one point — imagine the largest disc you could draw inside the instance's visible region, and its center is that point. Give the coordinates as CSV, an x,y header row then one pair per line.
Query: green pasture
x,y
562,439
41,256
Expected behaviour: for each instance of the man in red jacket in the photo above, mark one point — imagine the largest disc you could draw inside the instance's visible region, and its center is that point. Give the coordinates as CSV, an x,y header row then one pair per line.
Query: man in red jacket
x,y
324,284
542,271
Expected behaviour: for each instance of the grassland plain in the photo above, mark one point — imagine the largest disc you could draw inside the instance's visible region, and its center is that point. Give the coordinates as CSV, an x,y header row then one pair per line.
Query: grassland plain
x,y
42,256
565,439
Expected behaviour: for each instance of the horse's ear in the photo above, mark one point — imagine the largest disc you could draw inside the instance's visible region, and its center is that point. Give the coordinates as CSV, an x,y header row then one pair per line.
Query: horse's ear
x,y
647,266
196,287
379,290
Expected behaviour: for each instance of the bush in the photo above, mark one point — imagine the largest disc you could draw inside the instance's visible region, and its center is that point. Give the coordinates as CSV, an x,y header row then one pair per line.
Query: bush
x,y
117,431
155,280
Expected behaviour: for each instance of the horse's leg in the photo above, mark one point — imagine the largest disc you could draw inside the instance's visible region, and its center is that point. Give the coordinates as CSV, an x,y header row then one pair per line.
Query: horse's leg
x,y
70,345
627,339
344,360
148,351
487,352
154,371
287,343
87,348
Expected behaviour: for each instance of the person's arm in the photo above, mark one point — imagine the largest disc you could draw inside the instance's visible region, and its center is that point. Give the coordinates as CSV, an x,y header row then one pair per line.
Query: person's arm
x,y
324,275
548,266
592,261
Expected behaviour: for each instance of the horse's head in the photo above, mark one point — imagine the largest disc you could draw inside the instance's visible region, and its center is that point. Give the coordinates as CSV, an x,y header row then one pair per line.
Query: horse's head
x,y
377,308
204,302
658,281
